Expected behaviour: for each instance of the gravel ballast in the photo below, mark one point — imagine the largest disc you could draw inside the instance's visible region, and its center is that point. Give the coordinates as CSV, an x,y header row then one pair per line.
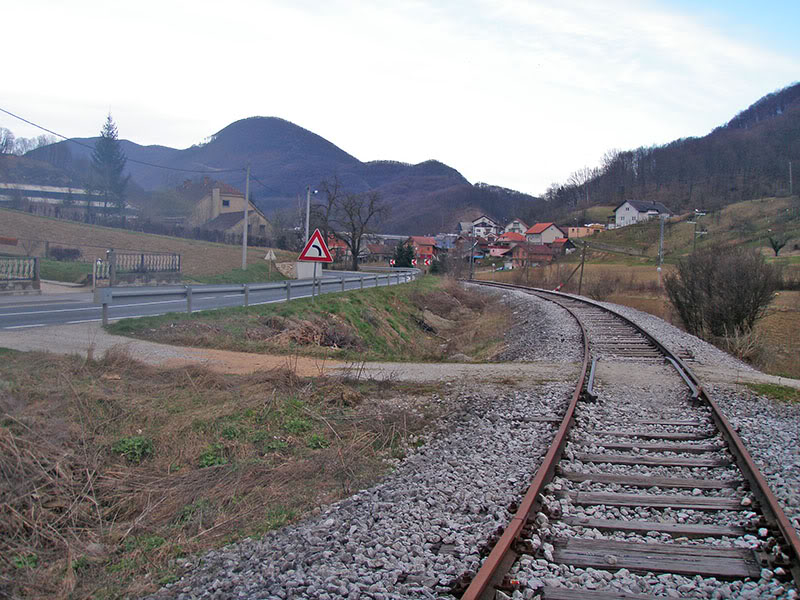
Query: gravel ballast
x,y
421,528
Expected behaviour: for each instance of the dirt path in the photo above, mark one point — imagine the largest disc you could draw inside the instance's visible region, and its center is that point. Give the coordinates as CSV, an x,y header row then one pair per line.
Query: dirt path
x,y
86,339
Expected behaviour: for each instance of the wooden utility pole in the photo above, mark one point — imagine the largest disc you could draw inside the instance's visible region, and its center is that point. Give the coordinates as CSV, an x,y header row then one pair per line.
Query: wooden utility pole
x,y
583,260
244,227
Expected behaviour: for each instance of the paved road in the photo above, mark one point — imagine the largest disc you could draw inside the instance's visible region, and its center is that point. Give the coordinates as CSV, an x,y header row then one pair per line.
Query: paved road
x,y
20,312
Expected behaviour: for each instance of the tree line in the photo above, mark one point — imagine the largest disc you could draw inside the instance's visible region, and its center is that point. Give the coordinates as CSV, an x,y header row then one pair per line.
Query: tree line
x,y
744,159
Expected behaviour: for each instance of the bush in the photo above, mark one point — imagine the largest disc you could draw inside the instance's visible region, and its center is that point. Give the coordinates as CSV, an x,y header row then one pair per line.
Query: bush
x,y
721,290
58,253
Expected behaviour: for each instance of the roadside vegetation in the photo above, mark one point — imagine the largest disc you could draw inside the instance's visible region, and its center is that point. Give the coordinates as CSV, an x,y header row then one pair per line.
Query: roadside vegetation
x,y
114,470
432,319
776,392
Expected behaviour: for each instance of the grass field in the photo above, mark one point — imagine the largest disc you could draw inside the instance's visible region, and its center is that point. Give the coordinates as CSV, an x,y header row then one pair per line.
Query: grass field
x,y
199,259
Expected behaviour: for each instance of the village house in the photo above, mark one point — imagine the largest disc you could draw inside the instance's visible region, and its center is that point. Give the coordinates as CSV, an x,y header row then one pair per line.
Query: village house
x,y
631,212
544,233
562,246
529,255
424,246
379,252
485,227
584,230
220,207
503,244
516,226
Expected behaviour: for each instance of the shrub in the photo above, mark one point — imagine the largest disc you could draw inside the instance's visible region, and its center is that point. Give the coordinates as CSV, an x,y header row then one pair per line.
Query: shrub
x,y
135,448
58,253
721,289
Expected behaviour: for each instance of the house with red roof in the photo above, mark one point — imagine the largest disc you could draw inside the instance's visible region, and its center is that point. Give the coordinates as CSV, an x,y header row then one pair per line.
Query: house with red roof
x,y
544,233
424,246
562,246
529,255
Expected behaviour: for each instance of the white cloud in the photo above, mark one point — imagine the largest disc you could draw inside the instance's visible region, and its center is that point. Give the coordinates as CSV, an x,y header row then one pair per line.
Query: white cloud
x,y
513,92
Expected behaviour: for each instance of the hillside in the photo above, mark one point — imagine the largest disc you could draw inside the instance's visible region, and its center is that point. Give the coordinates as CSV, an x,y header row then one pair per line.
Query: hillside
x,y
749,222
198,258
746,158
285,158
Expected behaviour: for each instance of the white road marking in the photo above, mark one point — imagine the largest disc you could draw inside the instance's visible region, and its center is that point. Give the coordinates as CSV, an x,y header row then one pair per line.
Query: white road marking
x,y
24,326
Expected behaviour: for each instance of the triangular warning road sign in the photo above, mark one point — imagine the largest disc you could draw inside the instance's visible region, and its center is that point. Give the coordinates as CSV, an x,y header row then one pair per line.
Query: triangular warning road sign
x,y
316,250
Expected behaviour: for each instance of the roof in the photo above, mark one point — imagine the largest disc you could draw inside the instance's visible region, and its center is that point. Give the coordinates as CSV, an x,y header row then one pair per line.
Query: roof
x,y
644,206
198,189
224,221
379,249
511,236
422,240
540,227
560,240
533,250
484,217
521,222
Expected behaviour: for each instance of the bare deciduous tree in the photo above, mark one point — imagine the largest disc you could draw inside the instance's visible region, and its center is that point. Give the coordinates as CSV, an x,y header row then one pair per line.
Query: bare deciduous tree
x,y
349,217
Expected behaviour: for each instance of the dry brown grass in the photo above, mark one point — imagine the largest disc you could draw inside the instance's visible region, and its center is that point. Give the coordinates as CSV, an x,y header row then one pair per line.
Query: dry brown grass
x,y
78,518
198,258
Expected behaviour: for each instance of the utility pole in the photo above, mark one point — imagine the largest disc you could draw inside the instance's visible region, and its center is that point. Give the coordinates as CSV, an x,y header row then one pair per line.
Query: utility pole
x,y
661,248
244,228
583,260
472,253
790,179
308,209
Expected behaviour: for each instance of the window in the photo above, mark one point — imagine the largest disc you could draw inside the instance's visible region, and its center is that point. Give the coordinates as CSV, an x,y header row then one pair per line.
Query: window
x,y
226,203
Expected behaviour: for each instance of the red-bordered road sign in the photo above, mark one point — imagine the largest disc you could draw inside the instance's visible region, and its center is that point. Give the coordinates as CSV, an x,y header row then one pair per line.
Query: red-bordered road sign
x,y
391,261
316,250
427,262
413,262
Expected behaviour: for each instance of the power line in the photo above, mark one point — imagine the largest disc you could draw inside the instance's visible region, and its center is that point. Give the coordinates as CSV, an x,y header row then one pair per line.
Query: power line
x,y
138,162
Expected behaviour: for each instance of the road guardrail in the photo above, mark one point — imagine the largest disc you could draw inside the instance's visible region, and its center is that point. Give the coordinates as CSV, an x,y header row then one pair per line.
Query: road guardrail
x,y
105,296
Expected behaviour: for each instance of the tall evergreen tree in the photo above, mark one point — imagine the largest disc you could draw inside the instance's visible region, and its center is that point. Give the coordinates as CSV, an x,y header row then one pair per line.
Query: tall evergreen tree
x,y
108,164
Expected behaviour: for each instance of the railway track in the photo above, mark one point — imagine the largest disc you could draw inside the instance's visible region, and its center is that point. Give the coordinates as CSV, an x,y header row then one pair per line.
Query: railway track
x,y
645,479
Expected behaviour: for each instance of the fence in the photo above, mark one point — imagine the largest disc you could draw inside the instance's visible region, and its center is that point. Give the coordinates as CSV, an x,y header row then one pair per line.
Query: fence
x,y
19,275
19,269
129,268
146,262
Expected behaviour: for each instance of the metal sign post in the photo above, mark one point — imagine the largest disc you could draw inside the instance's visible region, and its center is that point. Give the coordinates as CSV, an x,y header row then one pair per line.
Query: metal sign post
x,y
316,251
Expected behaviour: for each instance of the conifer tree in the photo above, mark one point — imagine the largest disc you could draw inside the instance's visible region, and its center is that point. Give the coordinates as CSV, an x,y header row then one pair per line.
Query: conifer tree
x,y
108,164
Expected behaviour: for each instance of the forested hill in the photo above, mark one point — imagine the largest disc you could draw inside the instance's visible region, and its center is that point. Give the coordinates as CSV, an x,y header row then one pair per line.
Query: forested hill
x,y
284,158
746,158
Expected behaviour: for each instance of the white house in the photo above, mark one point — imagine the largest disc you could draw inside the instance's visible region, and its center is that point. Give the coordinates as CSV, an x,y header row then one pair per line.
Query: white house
x,y
544,233
483,226
516,226
636,211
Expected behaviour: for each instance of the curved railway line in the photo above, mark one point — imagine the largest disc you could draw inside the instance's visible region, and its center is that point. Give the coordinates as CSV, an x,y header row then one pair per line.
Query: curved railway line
x,y
644,474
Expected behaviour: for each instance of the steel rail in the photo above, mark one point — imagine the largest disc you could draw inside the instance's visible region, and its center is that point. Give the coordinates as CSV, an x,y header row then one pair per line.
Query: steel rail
x,y
497,563
768,503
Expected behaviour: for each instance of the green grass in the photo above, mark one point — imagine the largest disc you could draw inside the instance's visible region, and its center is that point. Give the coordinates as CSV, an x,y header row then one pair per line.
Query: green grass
x,y
367,314
67,271
776,392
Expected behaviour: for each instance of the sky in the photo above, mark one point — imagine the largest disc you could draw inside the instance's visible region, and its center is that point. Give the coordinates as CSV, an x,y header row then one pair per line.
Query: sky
x,y
514,93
